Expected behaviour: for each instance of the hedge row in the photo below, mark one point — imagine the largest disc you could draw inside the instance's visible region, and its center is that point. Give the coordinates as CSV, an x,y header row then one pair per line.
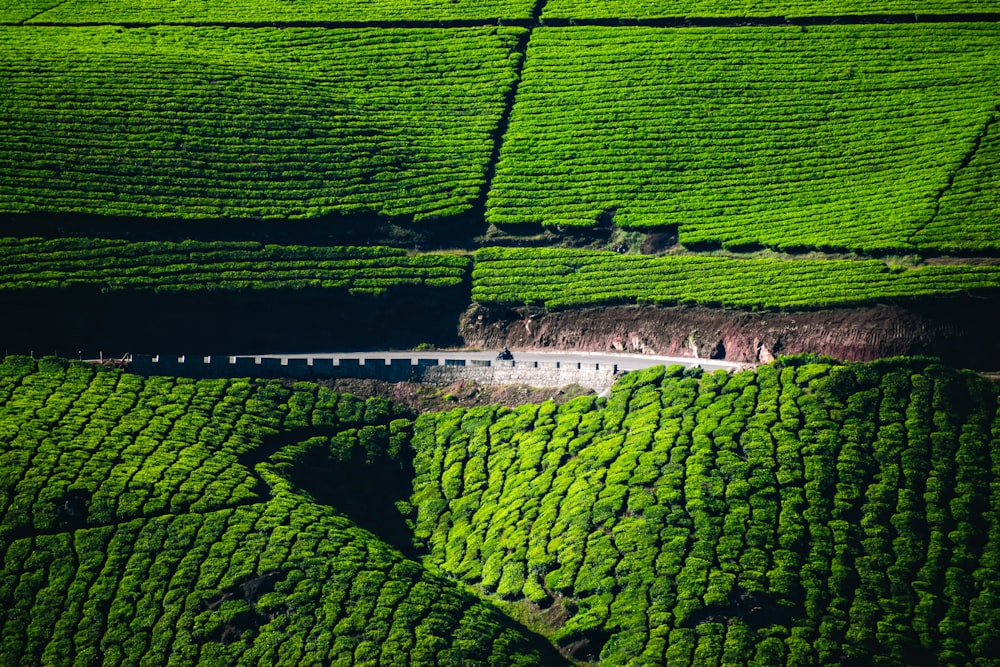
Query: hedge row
x,y
112,264
560,278
801,514
191,122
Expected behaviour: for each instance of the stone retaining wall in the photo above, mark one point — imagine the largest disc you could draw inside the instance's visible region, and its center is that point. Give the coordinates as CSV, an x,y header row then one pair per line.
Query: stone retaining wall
x,y
430,370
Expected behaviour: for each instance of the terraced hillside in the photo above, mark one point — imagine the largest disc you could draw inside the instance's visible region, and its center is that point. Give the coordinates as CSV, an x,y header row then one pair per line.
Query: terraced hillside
x,y
860,134
803,513
156,520
737,180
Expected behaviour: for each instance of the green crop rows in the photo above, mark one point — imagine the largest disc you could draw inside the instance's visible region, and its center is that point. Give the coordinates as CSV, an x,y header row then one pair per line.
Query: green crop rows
x,y
552,278
134,531
801,514
558,279
838,137
968,217
208,122
653,9
15,11
254,11
111,265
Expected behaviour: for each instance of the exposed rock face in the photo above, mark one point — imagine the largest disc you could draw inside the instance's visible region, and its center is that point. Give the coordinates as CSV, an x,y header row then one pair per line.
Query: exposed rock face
x,y
859,334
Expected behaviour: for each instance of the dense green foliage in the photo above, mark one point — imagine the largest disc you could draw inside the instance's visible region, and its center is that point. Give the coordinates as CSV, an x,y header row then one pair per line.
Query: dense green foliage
x,y
197,589
553,278
155,521
802,513
253,11
556,278
798,514
833,137
15,11
267,123
968,215
111,264
652,9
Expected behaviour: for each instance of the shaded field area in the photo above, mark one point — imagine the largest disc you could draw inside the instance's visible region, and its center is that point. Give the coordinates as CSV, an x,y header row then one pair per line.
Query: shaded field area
x,y
85,321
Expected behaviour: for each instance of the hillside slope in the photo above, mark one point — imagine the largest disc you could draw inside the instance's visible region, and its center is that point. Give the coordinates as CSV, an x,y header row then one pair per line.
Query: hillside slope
x,y
153,521
803,513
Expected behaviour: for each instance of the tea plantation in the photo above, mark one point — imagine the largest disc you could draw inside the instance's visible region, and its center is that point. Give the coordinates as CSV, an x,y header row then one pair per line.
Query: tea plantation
x,y
115,264
753,137
806,513
301,172
803,513
560,279
279,11
656,9
143,524
184,122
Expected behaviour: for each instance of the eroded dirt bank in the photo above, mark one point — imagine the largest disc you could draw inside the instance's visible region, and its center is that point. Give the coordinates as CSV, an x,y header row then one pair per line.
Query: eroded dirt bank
x,y
960,331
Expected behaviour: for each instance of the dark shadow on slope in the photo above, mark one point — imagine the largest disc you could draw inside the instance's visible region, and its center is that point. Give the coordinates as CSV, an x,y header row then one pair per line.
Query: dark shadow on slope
x,y
229,628
84,322
363,473
585,646
457,231
365,488
71,510
756,610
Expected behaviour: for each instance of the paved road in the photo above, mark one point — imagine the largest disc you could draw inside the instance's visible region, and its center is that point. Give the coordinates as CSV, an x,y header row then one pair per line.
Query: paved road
x,y
626,362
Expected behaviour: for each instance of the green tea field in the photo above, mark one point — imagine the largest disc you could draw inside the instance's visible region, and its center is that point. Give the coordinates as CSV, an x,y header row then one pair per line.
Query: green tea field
x,y
808,191
803,513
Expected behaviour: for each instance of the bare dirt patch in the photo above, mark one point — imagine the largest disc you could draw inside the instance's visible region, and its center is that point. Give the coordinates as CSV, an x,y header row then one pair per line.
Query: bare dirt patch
x,y
420,398
959,331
